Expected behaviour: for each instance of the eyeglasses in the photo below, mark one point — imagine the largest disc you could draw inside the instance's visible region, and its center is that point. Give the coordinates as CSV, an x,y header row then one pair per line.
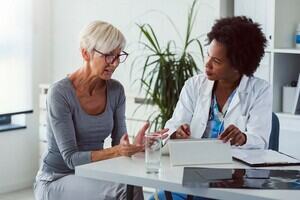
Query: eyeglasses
x,y
111,59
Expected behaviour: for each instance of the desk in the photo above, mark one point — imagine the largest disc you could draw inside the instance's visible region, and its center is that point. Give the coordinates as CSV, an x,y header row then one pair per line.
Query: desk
x,y
132,171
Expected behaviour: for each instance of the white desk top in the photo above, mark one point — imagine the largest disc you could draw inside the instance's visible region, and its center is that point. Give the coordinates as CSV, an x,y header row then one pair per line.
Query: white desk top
x,y
132,171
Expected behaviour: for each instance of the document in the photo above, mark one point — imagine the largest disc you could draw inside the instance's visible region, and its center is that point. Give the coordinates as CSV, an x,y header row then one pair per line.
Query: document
x,y
263,158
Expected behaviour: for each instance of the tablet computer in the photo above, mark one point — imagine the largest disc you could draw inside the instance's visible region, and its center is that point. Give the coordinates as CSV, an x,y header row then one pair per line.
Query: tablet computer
x,y
199,151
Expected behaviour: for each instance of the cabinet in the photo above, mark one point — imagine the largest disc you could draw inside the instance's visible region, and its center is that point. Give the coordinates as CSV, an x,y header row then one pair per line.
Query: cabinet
x,y
281,63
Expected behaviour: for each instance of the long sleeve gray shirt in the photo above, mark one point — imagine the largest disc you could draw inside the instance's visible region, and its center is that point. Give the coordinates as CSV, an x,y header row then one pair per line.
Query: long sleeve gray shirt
x,y
72,133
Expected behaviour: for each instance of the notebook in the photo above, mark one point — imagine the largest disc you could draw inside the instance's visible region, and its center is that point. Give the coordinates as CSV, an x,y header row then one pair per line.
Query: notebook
x,y
263,158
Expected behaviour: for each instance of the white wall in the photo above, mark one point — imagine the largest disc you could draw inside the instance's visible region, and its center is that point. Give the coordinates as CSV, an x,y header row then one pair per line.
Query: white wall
x,y
18,153
70,16
19,149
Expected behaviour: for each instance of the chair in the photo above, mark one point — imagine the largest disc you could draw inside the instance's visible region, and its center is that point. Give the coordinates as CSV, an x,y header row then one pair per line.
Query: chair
x,y
274,136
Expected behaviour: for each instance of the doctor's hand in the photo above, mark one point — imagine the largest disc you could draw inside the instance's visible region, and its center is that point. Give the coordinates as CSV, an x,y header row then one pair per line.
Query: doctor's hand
x,y
183,132
234,135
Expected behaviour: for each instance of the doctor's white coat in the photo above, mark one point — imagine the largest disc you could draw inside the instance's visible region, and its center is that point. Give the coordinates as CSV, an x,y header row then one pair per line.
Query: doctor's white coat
x,y
250,109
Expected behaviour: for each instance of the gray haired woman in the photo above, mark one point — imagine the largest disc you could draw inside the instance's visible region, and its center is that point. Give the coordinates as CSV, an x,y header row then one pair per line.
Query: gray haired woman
x,y
84,108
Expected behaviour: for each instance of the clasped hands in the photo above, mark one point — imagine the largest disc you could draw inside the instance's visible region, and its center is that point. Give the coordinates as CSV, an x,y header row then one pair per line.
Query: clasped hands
x,y
127,149
231,133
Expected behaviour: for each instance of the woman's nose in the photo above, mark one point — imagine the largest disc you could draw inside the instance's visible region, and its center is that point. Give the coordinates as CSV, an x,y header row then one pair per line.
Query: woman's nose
x,y
115,64
208,62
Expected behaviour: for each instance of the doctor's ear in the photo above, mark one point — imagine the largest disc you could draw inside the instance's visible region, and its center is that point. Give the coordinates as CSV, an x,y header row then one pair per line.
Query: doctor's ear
x,y
86,55
236,71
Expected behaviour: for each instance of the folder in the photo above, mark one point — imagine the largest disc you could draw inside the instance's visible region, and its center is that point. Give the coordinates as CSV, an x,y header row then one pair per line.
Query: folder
x,y
263,158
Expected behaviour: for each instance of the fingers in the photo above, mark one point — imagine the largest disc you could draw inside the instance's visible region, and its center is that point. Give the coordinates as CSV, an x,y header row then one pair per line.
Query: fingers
x,y
186,129
183,132
241,140
182,135
226,132
234,135
164,136
162,133
129,150
144,128
124,139
231,135
139,139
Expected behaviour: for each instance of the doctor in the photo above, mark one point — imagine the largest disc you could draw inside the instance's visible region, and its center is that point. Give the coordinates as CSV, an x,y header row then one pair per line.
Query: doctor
x,y
227,102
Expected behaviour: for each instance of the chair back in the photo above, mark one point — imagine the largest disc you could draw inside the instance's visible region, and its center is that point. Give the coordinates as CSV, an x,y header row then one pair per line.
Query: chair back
x,y
274,137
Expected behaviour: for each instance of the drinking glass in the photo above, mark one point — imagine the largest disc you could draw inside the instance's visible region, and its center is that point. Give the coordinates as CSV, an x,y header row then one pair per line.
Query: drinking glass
x,y
153,144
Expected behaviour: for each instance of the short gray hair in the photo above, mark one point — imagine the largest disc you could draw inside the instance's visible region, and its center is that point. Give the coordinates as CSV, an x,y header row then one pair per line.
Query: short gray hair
x,y
101,36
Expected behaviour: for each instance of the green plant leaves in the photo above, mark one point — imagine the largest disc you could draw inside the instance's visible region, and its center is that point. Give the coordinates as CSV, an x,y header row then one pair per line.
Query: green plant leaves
x,y
165,70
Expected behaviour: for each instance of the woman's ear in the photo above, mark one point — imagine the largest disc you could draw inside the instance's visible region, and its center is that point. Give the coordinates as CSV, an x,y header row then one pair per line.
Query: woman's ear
x,y
85,54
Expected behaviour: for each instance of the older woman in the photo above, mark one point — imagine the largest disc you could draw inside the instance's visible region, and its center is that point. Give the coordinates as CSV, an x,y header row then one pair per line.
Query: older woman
x,y
227,102
84,108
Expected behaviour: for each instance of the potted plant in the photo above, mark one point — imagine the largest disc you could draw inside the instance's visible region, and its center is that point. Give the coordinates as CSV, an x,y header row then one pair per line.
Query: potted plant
x,y
165,69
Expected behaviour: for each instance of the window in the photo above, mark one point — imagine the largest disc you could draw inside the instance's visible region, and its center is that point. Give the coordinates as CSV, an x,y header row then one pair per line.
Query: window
x,y
15,56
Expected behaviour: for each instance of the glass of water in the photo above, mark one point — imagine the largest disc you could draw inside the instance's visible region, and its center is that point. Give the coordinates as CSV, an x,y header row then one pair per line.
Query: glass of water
x,y
153,144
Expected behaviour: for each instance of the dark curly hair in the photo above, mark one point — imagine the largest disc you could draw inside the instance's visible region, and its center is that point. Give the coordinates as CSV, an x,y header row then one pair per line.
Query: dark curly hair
x,y
244,42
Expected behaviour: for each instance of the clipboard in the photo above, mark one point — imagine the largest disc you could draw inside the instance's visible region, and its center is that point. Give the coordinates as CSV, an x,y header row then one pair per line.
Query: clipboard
x,y
263,158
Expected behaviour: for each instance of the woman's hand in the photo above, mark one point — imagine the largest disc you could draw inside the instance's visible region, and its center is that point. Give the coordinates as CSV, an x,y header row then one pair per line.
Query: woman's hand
x,y
124,148
127,149
234,135
140,137
183,132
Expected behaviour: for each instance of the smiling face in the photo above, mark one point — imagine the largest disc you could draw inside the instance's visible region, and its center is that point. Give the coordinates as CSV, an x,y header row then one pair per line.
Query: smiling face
x,y
218,66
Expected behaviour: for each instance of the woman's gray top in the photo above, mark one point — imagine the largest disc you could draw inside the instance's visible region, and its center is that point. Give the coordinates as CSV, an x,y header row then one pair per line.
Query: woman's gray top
x,y
72,133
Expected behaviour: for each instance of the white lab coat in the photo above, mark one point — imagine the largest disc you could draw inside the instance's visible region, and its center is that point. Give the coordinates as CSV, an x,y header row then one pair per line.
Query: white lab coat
x,y
250,109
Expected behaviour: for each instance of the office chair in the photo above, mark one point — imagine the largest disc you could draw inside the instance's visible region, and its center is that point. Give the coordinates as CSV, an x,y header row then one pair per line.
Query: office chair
x,y
274,136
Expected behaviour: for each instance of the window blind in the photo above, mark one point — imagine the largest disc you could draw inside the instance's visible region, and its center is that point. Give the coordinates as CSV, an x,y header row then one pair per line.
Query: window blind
x,y
15,56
